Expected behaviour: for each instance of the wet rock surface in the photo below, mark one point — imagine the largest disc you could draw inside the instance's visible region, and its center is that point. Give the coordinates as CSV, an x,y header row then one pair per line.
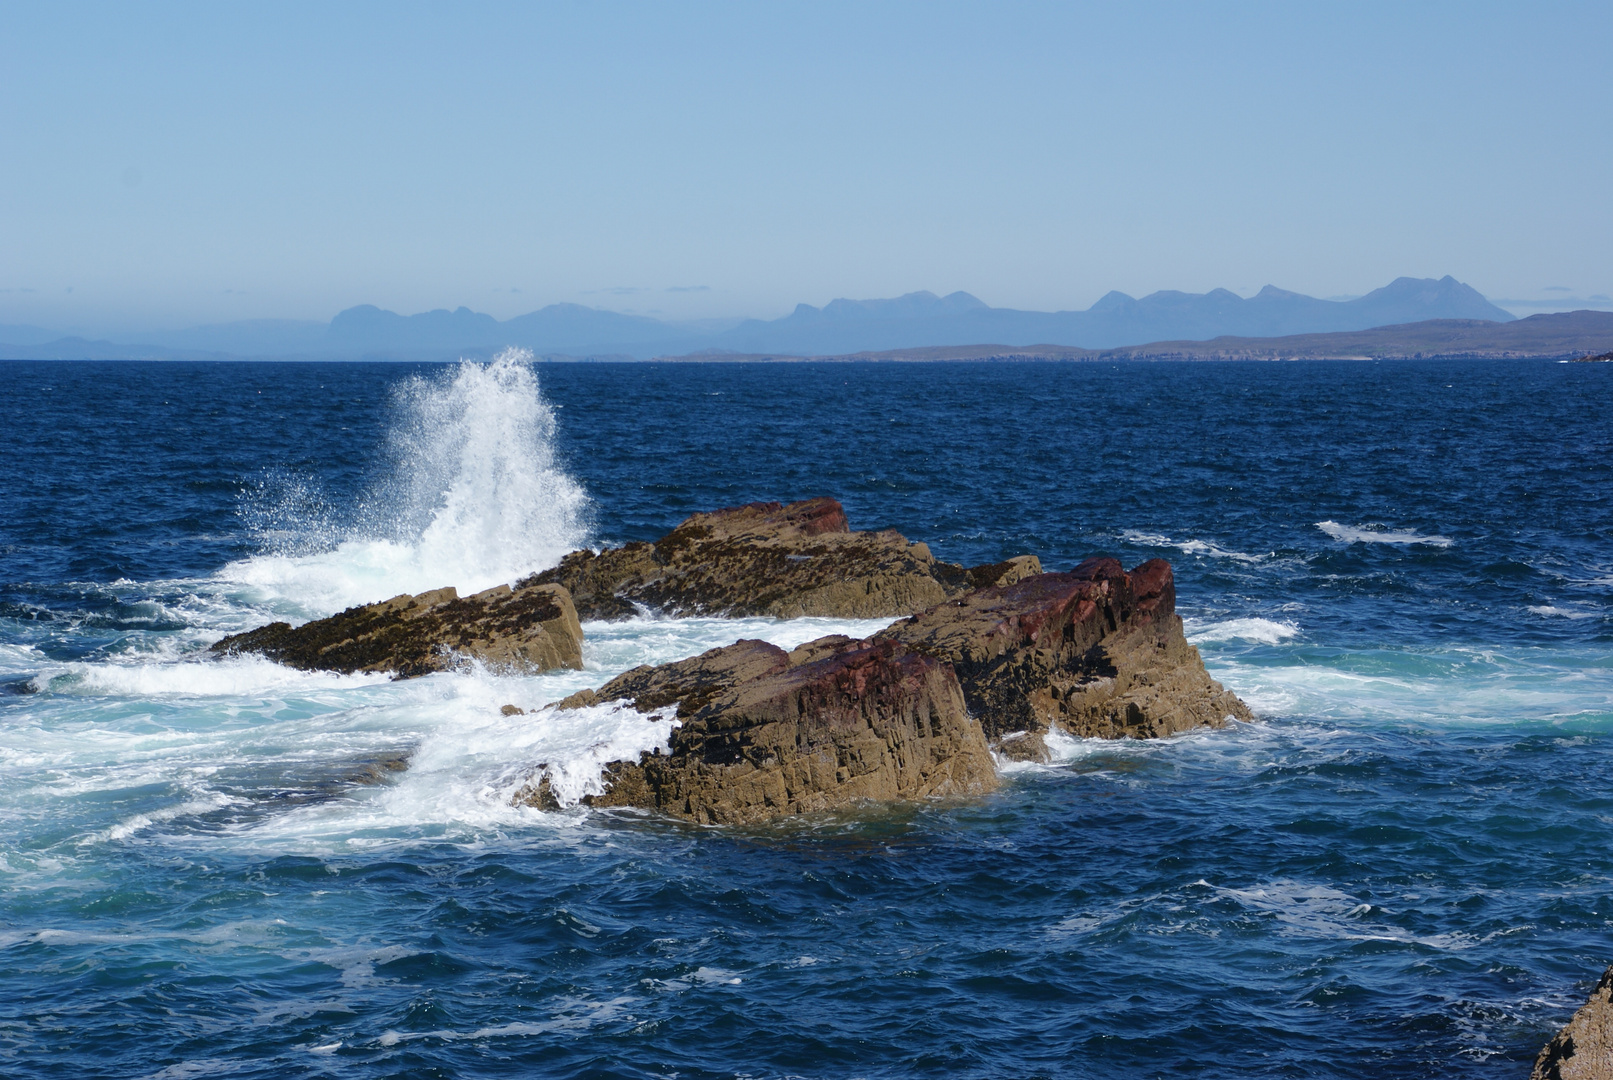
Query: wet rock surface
x,y
527,628
1095,652
771,559
1583,1049
766,732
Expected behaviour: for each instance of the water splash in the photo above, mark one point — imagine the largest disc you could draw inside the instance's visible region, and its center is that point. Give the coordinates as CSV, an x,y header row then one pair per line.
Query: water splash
x,y
474,496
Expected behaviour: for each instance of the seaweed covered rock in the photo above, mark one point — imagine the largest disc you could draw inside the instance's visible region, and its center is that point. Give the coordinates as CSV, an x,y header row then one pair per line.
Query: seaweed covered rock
x,y
1092,652
1583,1049
771,559
765,733
530,627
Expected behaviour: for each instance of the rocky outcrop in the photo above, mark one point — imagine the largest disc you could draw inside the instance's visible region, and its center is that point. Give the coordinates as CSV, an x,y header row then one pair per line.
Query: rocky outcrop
x,y
530,627
1095,652
911,712
771,559
765,733
1583,1049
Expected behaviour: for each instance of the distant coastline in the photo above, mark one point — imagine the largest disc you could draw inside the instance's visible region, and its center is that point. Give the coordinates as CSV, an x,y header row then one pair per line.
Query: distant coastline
x,y
1573,335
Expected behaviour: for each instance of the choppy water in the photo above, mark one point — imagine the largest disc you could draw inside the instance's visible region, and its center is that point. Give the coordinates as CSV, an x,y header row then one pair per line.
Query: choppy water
x,y
208,869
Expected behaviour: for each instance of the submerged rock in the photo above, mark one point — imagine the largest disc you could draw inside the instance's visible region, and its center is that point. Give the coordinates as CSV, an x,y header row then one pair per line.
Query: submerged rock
x,y
766,733
1583,1049
530,627
771,559
1095,652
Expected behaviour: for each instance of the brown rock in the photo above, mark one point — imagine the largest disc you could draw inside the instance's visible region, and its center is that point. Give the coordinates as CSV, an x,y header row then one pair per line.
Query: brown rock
x,y
1092,652
766,733
1583,1049
528,627
770,559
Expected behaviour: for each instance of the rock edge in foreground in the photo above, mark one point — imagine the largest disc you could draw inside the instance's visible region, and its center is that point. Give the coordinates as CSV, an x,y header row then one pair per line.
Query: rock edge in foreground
x,y
1583,1049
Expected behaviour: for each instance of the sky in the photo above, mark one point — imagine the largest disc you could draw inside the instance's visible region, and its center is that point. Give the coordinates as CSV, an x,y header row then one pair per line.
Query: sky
x,y
169,165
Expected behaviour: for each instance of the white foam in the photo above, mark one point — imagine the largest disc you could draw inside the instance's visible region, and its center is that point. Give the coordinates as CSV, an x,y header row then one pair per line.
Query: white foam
x,y
1562,613
574,1015
231,677
1446,688
475,498
1357,535
1192,547
1308,910
1259,631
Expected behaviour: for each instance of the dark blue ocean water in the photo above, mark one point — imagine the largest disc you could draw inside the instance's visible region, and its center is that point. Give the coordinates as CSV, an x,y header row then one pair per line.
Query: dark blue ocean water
x,y
1403,870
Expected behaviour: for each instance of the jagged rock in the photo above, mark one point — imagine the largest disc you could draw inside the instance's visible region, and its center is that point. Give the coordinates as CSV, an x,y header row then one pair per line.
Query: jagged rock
x,y
1092,652
530,627
770,559
1583,1049
766,733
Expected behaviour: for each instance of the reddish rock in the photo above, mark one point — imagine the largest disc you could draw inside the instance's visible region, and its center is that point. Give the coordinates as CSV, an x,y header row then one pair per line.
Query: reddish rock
x,y
1092,652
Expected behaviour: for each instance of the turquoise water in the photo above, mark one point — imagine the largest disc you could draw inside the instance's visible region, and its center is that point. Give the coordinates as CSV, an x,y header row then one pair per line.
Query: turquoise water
x,y
1401,870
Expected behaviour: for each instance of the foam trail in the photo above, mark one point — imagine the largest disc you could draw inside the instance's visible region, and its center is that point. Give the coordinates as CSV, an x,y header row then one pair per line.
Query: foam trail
x,y
475,498
1260,631
1353,535
1191,546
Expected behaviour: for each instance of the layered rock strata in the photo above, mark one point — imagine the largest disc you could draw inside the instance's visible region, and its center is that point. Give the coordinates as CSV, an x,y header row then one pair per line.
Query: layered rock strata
x,y
765,733
771,559
530,627
1095,652
1583,1049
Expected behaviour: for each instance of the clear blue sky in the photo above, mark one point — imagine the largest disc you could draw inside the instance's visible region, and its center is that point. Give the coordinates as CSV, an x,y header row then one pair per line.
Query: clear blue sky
x,y
179,164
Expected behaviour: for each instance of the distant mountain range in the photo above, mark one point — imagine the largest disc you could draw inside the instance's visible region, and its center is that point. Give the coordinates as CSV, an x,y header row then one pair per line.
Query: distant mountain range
x,y
917,320
1565,335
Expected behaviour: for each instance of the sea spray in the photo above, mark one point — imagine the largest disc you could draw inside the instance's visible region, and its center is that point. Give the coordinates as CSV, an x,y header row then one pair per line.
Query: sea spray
x,y
473,496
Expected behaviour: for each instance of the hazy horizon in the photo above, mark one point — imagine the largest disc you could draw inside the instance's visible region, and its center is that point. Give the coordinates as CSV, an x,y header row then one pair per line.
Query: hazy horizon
x,y
178,166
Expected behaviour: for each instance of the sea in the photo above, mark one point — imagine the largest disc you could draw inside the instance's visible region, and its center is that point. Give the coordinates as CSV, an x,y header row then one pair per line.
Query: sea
x,y
216,868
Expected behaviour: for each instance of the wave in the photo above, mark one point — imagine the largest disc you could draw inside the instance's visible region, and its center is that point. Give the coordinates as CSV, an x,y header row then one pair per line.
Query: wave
x,y
1191,547
1445,688
166,748
1259,631
474,497
238,676
1358,535
1562,613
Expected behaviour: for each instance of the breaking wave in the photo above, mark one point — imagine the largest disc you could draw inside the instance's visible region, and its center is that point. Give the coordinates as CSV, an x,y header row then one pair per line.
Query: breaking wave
x,y
474,496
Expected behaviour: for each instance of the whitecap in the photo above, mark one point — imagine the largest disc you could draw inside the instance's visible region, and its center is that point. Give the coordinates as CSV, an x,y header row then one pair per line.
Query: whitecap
x,y
1191,547
1357,535
230,677
1559,612
1259,631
